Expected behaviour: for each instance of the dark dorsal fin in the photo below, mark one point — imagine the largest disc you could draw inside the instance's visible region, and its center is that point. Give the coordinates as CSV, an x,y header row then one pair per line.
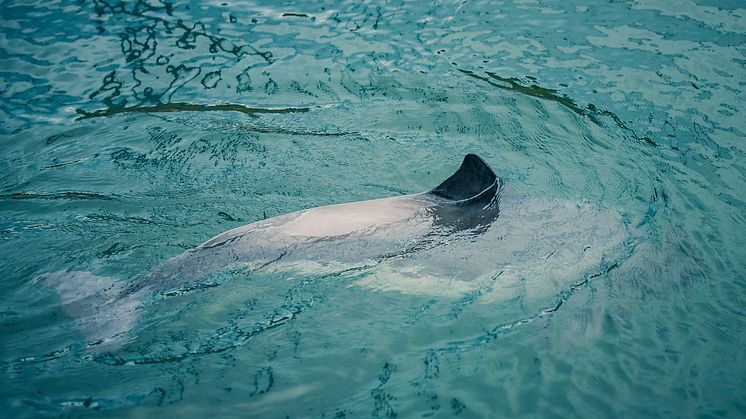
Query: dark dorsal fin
x,y
471,179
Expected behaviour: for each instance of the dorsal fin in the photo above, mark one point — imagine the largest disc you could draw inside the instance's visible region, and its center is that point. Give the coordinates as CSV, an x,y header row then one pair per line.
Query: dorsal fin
x,y
471,179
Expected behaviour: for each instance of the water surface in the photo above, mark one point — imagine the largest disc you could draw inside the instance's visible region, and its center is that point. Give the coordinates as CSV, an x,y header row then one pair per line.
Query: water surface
x,y
132,132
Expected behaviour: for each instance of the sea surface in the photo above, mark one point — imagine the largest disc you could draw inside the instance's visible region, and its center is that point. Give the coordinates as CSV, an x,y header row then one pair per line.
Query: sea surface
x,y
131,132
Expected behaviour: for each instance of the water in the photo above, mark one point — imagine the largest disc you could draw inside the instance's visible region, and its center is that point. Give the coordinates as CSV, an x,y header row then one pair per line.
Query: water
x,y
133,132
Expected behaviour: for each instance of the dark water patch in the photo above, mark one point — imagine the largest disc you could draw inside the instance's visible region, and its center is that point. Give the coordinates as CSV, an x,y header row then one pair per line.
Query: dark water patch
x,y
65,163
186,290
533,90
457,406
264,380
69,195
35,359
187,107
107,216
290,14
592,112
53,138
300,132
382,398
227,217
114,250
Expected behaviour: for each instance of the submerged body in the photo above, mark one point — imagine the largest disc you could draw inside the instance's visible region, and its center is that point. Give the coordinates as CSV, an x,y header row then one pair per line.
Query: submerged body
x,y
468,233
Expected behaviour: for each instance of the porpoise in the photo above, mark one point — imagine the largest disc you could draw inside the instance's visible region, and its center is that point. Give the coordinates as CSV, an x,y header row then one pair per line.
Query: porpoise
x,y
468,231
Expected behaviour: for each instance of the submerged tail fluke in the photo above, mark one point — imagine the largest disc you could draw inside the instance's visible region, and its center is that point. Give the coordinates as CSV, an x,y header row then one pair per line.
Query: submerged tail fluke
x,y
96,303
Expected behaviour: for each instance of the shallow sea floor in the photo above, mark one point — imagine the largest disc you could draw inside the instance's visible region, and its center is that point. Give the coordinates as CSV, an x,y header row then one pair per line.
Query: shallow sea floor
x,y
132,132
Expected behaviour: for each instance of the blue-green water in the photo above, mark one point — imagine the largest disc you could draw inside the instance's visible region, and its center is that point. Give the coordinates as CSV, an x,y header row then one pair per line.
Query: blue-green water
x,y
132,132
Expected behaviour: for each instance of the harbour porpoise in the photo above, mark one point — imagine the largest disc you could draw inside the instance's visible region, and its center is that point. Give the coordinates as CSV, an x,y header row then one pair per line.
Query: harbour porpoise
x,y
467,231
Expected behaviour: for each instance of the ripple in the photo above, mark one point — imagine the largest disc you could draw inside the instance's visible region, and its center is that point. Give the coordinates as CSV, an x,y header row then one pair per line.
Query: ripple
x,y
188,107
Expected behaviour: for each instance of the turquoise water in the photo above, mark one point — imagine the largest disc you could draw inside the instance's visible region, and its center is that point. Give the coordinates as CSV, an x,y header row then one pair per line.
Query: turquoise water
x,y
130,133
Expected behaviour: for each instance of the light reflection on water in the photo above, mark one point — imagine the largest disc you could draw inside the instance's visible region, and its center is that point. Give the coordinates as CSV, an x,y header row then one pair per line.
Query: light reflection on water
x,y
131,133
